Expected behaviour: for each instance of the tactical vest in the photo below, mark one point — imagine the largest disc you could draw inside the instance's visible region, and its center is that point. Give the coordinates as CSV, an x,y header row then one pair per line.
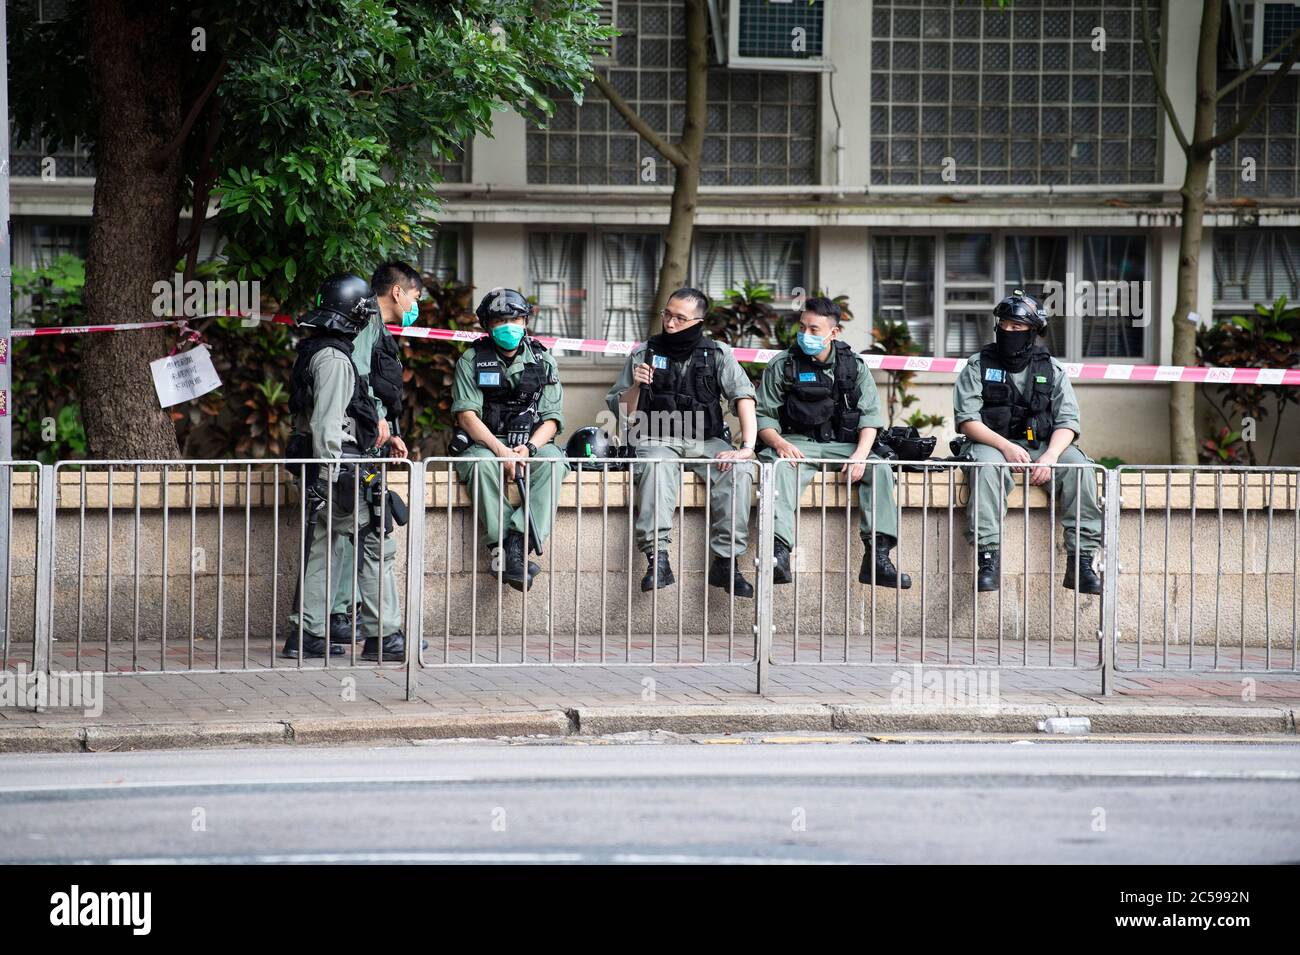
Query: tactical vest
x,y
685,390
385,378
302,392
1017,416
510,411
821,410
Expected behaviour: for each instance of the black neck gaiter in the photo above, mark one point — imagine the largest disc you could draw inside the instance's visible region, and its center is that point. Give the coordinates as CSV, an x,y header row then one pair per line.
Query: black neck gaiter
x,y
678,345
1014,348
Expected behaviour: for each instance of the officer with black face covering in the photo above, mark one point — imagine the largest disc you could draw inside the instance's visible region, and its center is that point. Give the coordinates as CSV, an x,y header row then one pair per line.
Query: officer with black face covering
x,y
334,417
1015,403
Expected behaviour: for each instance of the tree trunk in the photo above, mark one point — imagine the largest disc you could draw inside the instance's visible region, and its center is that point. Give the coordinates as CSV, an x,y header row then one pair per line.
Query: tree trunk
x,y
136,52
686,186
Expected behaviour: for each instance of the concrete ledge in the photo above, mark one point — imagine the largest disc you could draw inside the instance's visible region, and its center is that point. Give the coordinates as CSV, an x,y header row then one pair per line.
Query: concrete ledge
x,y
433,726
1184,719
887,718
705,718
100,739
41,739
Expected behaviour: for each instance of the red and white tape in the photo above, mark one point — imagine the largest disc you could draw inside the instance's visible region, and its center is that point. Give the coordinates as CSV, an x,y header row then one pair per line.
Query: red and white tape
x,y
601,346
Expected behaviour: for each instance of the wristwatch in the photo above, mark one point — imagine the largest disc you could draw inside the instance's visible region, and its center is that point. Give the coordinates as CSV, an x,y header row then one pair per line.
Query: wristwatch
x,y
532,448
747,447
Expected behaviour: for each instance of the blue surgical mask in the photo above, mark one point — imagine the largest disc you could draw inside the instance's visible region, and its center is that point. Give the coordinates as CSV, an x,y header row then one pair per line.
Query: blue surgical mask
x,y
811,344
508,335
410,315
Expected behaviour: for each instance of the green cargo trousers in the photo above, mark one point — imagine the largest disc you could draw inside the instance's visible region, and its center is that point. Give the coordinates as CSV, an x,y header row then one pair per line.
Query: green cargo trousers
x,y
789,488
1072,485
377,580
658,484
543,492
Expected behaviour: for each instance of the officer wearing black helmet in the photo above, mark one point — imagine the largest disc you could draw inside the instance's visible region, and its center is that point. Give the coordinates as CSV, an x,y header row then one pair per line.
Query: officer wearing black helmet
x,y
334,417
1015,403
507,402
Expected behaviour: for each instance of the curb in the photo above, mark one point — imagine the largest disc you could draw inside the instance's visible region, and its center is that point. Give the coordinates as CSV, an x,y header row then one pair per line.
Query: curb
x,y
683,719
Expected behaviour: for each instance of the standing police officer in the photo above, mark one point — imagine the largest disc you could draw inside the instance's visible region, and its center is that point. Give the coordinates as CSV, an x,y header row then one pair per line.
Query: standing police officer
x,y
1015,403
335,418
674,383
397,288
507,400
818,400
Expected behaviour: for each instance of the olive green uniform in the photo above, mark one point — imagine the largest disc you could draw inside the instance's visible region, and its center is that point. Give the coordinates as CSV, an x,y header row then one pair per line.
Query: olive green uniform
x,y
363,347
792,477
330,427
985,508
495,515
658,484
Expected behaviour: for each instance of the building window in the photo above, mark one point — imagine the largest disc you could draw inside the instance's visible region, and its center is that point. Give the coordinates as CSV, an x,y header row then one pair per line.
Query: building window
x,y
51,240
70,161
441,260
722,261
1254,266
760,127
557,281
630,271
1011,96
967,273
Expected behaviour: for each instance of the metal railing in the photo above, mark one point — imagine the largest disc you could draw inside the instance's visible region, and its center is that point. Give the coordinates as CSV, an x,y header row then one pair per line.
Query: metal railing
x,y
162,566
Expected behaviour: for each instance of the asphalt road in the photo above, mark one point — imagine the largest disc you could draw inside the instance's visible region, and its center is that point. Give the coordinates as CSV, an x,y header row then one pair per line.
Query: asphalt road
x,y
655,800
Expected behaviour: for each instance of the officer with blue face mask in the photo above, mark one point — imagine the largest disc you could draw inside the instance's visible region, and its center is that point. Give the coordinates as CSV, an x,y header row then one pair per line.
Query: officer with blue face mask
x,y
818,400
508,403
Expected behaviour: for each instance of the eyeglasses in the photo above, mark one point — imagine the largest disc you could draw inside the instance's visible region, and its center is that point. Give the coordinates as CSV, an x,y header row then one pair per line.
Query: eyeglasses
x,y
668,316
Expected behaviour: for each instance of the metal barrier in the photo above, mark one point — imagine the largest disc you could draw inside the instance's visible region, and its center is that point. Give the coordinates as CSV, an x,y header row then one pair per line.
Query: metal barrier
x,y
161,566
1241,507
943,619
589,611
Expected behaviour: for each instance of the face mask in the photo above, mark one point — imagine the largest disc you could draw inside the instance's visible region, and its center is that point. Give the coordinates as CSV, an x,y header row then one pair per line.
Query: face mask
x,y
811,344
410,315
1012,345
508,335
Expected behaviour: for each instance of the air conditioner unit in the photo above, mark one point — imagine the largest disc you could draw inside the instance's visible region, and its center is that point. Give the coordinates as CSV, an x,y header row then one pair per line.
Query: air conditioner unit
x,y
1273,22
771,34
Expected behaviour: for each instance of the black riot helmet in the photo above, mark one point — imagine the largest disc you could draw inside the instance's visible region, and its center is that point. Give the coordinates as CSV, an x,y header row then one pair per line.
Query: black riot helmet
x,y
344,303
588,443
1021,307
502,303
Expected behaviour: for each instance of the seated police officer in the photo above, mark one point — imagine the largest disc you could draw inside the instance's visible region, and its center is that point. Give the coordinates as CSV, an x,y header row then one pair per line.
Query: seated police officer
x,y
377,359
335,418
507,400
818,400
671,388
1015,403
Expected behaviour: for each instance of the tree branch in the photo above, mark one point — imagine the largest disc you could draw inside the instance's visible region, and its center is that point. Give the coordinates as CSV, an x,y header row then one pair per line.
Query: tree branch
x,y
1245,121
1237,81
385,92
657,142
1157,73
179,140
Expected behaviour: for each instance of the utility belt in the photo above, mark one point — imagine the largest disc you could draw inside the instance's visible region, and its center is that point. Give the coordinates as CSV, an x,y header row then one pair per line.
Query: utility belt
x,y
359,482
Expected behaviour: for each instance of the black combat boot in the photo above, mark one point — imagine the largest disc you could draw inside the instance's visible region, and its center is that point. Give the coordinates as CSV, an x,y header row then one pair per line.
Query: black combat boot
x,y
658,573
989,563
1089,582
341,626
887,574
723,571
781,562
514,569
312,646
394,647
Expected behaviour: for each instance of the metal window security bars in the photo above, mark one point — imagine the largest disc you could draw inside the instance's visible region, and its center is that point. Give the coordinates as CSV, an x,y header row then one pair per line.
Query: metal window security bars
x,y
128,567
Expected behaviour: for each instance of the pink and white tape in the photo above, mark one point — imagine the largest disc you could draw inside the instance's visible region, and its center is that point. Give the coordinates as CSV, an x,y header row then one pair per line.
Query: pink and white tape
x,y
600,346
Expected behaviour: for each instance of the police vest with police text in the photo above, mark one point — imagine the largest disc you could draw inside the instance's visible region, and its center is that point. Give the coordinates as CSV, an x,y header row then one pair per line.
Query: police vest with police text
x,y
1007,410
686,389
510,410
302,391
818,409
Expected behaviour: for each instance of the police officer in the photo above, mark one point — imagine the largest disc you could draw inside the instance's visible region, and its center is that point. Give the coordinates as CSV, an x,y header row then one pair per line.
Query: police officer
x,y
506,399
818,400
335,418
671,388
397,288
1015,403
